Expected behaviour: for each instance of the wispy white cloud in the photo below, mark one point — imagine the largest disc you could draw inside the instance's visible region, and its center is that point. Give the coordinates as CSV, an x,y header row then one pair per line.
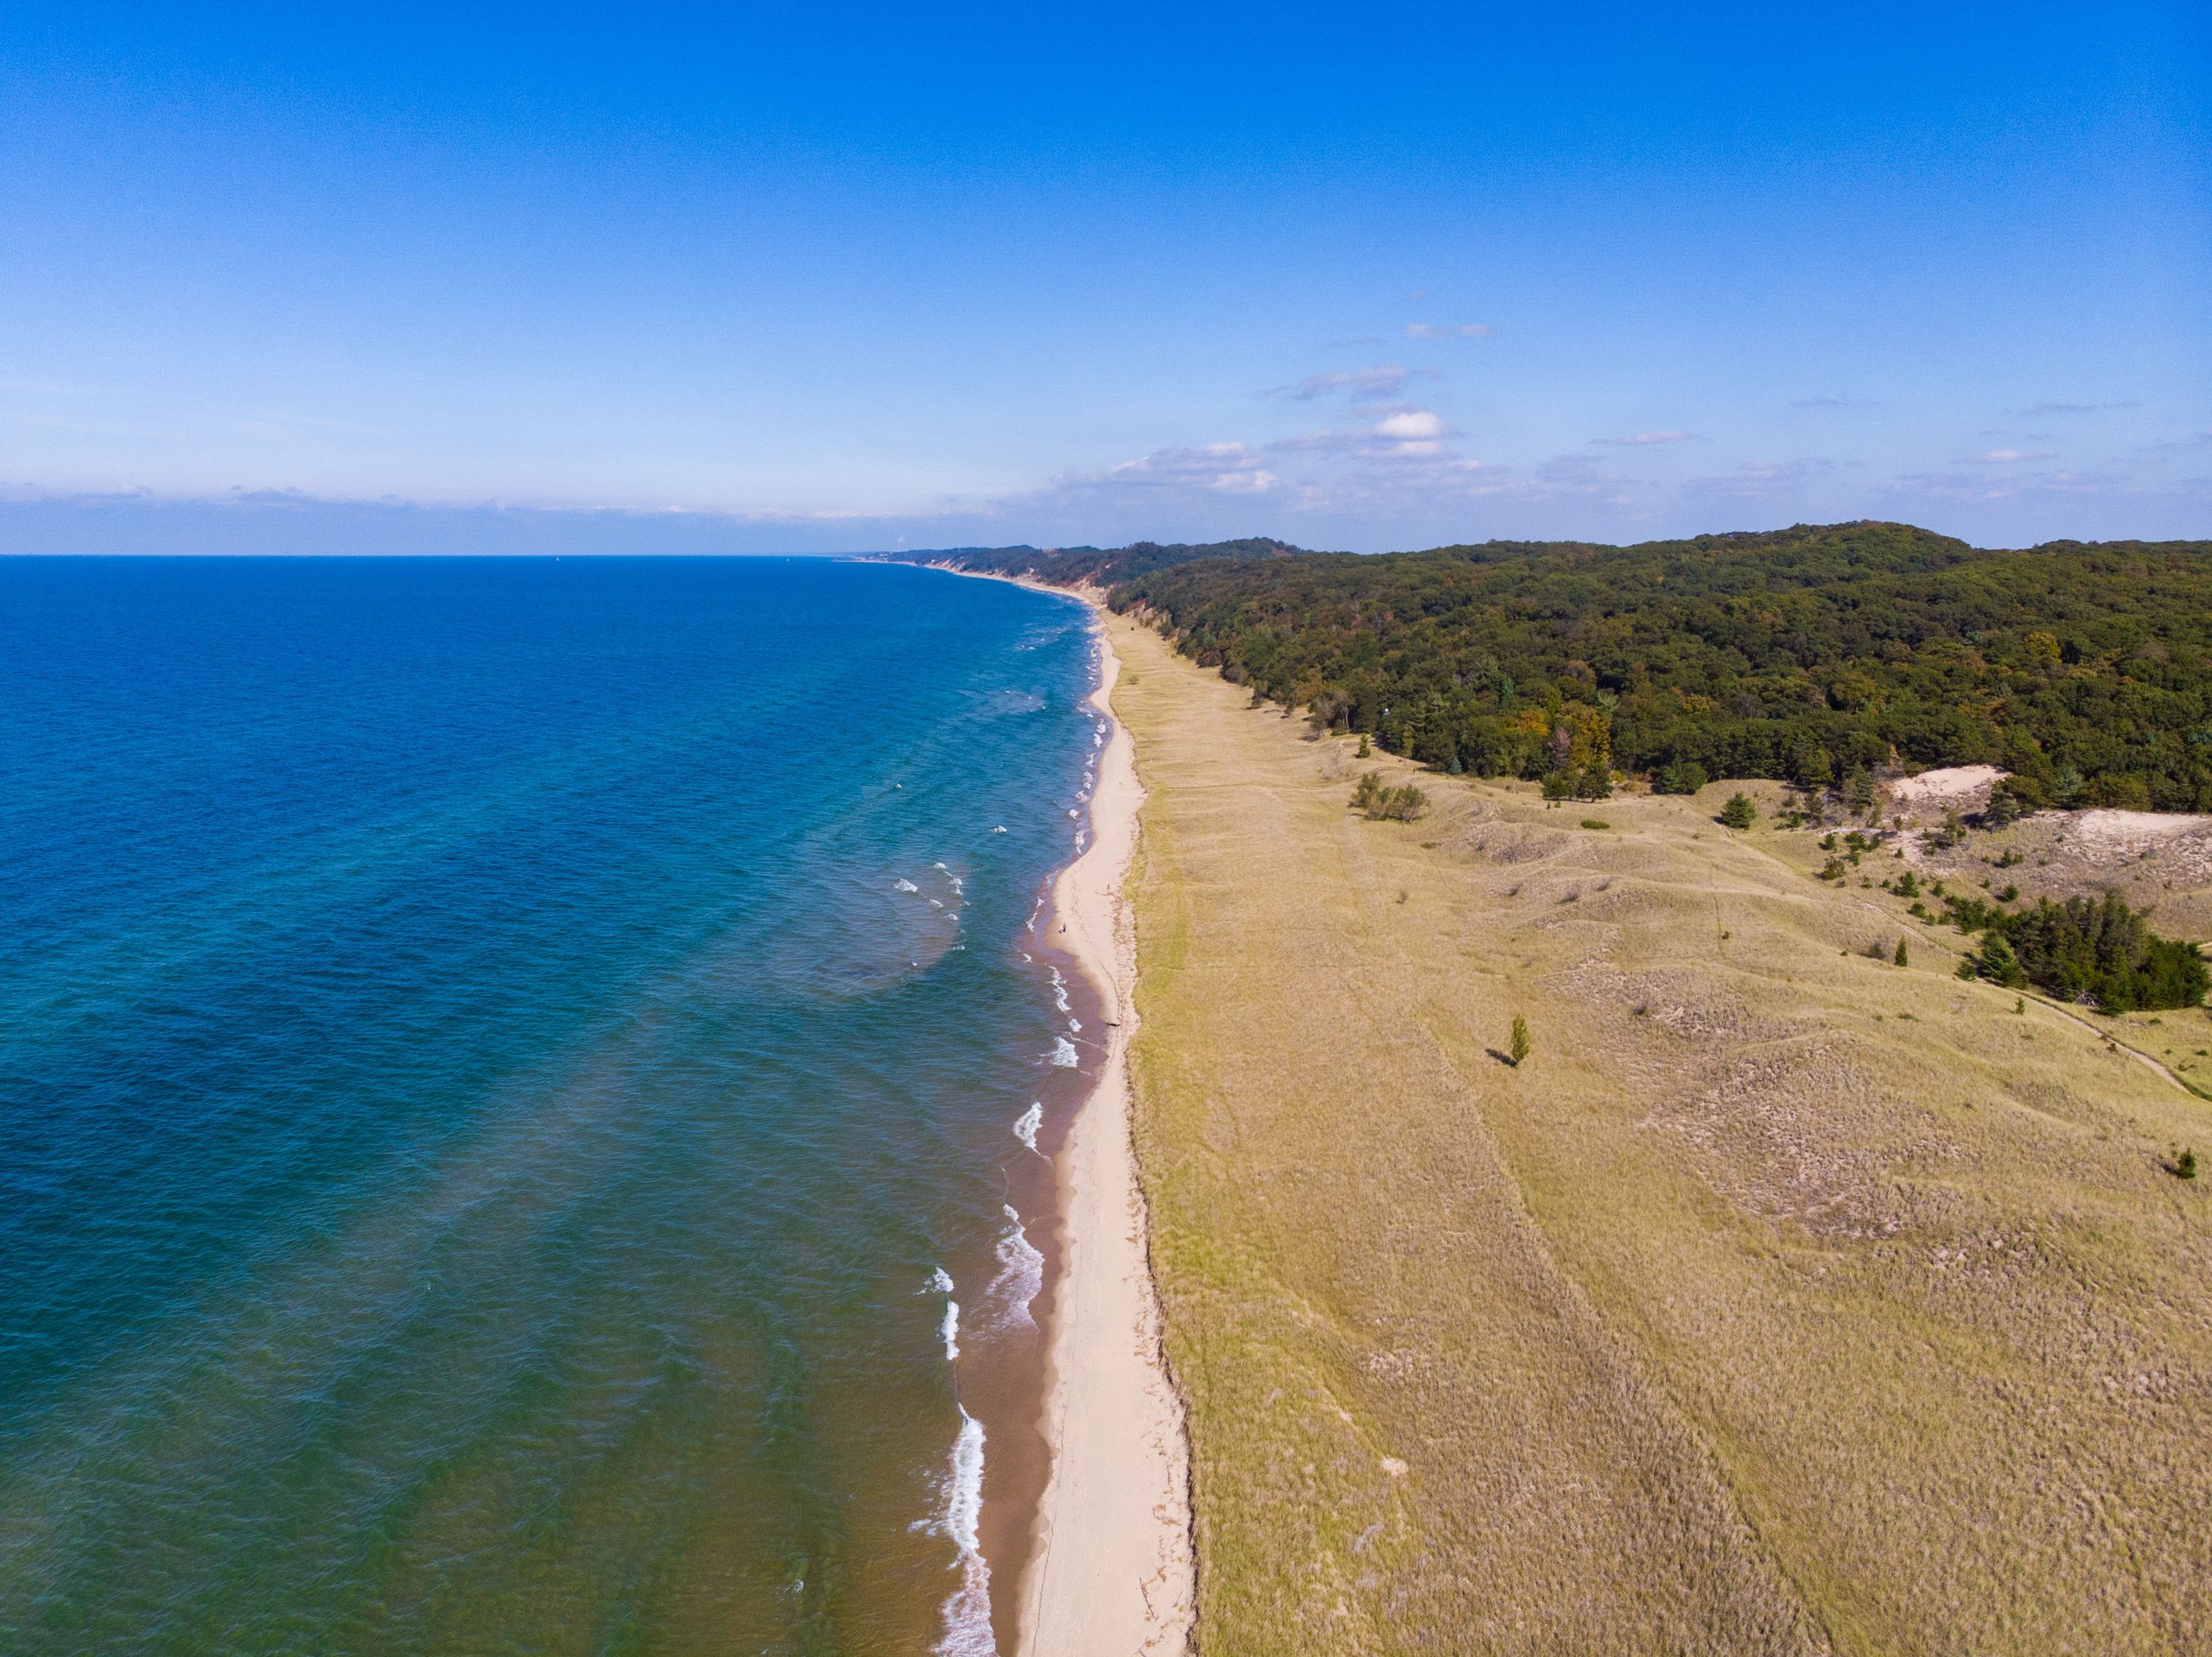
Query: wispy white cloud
x,y
2173,447
1382,381
1227,468
1449,330
1649,439
1841,400
2077,408
2006,458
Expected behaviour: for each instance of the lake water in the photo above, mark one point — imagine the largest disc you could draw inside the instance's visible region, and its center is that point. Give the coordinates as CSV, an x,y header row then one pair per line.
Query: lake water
x,y
495,1056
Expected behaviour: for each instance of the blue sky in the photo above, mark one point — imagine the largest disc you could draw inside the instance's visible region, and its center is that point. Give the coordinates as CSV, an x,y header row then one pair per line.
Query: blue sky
x,y
1361,277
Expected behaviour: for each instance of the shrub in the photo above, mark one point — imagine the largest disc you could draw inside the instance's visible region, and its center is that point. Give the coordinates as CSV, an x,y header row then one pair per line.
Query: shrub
x,y
2003,810
1381,803
1517,1046
1595,822
1738,813
1402,804
1685,776
1971,915
2186,1164
1903,958
1950,834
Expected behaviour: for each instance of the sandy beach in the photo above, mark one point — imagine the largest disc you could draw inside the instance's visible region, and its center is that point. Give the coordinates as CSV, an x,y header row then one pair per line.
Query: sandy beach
x,y
1111,1571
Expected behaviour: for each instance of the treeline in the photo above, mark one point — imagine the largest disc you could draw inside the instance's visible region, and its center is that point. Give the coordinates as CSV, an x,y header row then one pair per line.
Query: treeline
x,y
1812,654
1096,566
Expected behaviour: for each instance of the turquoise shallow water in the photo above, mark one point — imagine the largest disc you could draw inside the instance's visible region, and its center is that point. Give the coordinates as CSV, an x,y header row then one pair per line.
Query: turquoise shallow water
x,y
492,1055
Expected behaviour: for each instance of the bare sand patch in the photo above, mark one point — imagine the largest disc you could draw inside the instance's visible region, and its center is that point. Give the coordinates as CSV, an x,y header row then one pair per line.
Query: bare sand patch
x,y
1947,788
2112,835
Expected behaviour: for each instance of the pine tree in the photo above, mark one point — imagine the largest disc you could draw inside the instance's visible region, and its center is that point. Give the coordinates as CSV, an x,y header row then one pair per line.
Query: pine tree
x,y
1517,1048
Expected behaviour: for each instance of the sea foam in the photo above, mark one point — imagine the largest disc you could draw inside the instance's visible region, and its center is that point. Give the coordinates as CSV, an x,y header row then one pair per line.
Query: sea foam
x,y
1021,1275
1060,1000
1064,1054
967,1611
1026,1126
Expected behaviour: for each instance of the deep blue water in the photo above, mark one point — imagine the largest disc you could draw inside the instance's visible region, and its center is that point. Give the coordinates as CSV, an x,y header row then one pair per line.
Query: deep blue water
x,y
492,1053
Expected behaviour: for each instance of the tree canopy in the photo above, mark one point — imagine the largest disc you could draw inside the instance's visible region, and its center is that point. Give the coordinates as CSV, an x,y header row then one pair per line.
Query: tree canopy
x,y
1805,654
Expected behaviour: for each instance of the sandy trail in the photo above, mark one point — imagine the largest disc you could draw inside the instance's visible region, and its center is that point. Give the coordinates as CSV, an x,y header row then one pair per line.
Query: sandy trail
x,y
1111,1574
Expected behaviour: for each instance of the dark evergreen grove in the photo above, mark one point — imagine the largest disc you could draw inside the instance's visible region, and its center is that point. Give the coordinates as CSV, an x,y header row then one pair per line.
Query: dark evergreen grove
x,y
1805,654
2086,950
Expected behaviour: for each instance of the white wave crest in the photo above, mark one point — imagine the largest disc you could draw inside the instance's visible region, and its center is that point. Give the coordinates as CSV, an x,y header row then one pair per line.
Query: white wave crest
x,y
940,1283
967,1611
1059,989
1064,1054
905,886
1021,1274
1026,1125
950,1331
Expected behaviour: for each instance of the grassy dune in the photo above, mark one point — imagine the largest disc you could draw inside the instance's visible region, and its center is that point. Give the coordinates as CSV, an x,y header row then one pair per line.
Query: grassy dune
x,y
1785,1300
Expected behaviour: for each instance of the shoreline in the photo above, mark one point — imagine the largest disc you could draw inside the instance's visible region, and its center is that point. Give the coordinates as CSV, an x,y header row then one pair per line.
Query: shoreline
x,y
1110,1570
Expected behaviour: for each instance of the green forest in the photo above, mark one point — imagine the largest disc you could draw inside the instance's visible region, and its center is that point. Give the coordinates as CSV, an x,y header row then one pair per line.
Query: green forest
x,y
1808,655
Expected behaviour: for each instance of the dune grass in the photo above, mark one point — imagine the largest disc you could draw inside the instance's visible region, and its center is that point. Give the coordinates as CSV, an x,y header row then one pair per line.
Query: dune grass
x,y
1784,1299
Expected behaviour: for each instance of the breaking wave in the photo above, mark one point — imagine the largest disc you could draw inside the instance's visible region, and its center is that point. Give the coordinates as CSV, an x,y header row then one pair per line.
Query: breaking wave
x,y
968,1609
1021,1276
